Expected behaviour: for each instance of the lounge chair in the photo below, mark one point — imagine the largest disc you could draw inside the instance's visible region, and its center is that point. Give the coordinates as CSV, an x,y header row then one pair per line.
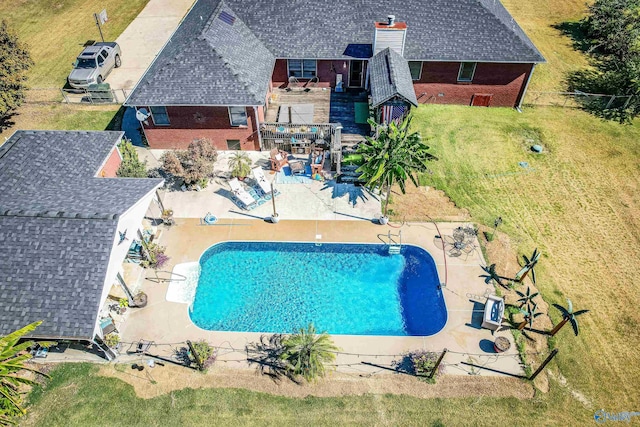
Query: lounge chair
x,y
278,159
264,185
241,195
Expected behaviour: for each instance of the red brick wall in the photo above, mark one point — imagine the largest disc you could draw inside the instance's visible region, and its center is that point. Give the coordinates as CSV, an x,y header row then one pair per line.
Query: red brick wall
x,y
111,165
504,81
326,75
189,123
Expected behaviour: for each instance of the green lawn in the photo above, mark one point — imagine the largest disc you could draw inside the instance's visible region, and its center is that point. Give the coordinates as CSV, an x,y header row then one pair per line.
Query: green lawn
x,y
55,31
76,396
63,117
578,203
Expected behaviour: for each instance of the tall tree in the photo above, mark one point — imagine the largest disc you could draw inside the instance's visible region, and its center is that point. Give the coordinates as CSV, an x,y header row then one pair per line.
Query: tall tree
x,y
393,156
131,166
14,64
12,358
306,353
613,28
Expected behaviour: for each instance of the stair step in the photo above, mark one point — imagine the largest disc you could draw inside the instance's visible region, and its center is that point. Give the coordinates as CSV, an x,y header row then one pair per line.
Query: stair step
x,y
394,249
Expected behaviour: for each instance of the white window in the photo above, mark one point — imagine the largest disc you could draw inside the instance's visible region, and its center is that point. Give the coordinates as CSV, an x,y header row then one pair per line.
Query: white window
x,y
416,69
238,116
160,116
467,70
303,68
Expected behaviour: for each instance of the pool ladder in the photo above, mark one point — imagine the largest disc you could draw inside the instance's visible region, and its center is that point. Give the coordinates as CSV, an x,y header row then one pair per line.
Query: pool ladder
x,y
394,247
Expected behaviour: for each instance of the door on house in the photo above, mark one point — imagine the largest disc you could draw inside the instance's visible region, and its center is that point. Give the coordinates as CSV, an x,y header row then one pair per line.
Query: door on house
x,y
356,73
481,100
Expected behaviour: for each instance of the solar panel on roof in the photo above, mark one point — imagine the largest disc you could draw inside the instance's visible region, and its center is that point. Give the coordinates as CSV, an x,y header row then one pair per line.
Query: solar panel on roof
x,y
227,17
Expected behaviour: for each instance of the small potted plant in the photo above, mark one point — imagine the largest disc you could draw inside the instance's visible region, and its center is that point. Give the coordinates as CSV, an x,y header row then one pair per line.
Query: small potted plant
x,y
167,216
240,165
112,340
123,303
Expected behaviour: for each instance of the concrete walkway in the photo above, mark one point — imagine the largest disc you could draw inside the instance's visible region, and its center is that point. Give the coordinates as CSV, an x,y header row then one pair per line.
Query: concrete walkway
x,y
143,39
464,292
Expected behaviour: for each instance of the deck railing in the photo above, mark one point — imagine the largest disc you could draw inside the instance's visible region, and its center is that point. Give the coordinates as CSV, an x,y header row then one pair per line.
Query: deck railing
x,y
288,136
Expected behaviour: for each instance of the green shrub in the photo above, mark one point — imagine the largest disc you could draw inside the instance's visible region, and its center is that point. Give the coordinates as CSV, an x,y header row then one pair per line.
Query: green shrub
x,y
206,353
131,166
112,339
353,159
423,362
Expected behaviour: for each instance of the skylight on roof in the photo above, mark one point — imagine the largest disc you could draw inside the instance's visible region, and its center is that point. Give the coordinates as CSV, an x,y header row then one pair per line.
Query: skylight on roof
x,y
227,17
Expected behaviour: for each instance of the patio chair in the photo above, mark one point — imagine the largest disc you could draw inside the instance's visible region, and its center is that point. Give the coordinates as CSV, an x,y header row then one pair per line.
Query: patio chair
x,y
317,161
107,326
264,185
241,195
278,159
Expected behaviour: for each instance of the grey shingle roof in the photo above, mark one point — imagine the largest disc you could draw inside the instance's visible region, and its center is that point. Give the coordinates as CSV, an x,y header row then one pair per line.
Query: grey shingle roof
x,y
438,30
54,173
390,78
208,61
53,270
57,226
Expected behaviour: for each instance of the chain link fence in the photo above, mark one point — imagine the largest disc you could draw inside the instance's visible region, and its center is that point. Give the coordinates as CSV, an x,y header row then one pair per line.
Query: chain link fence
x,y
577,99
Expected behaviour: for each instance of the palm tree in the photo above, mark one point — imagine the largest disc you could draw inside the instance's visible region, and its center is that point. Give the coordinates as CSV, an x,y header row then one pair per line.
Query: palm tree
x,y
306,352
12,358
567,316
529,315
526,298
491,275
529,265
392,157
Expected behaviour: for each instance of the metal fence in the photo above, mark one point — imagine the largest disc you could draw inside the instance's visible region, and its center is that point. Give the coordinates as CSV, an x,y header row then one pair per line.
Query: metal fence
x,y
76,96
577,99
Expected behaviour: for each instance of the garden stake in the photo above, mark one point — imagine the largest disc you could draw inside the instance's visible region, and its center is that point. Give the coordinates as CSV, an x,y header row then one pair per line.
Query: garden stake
x,y
435,368
547,360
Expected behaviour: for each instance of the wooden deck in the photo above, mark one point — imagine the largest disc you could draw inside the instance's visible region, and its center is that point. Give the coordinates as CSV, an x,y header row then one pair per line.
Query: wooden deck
x,y
329,107
321,100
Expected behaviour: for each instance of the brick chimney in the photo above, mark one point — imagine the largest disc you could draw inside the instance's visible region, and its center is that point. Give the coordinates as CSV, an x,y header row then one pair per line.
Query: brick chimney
x,y
389,34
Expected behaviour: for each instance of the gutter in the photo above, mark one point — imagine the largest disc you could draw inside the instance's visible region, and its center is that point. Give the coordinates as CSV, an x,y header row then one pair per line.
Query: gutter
x,y
255,111
526,86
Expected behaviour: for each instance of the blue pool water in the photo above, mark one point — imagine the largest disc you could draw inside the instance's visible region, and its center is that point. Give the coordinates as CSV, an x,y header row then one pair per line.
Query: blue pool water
x,y
351,289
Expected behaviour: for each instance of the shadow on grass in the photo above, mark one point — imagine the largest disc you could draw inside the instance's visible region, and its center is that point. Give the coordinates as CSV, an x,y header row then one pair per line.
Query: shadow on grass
x,y
265,356
116,120
6,122
575,30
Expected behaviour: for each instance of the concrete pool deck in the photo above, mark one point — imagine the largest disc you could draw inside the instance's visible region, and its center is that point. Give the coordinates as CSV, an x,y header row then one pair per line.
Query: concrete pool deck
x,y
167,322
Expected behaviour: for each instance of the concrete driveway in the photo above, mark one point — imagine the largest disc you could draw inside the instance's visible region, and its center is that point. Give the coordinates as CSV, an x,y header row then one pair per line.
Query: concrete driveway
x,y
143,39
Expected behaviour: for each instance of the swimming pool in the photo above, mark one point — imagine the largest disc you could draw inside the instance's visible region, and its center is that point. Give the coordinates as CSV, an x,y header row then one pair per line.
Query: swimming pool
x,y
355,289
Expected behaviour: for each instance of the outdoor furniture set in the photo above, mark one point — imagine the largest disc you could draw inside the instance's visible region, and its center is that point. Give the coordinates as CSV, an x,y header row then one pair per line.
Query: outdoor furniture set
x,y
462,241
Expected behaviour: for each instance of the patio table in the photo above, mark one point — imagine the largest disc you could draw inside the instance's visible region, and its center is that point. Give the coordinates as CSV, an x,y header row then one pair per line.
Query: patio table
x,y
302,113
296,166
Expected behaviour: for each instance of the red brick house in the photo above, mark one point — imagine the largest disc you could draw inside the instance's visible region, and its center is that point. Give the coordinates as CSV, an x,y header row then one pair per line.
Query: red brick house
x,y
215,75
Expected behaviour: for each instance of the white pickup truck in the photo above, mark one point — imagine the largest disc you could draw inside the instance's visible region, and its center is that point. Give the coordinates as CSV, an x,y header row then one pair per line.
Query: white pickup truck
x,y
94,64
